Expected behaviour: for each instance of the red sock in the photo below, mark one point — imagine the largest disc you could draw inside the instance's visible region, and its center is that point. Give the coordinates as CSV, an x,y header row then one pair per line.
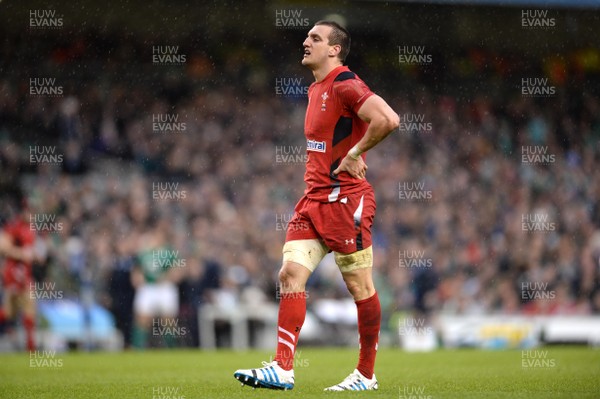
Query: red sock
x,y
292,311
2,316
29,325
369,322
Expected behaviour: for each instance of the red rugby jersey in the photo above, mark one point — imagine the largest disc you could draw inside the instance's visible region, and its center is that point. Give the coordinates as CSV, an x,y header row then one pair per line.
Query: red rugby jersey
x,y
22,236
332,127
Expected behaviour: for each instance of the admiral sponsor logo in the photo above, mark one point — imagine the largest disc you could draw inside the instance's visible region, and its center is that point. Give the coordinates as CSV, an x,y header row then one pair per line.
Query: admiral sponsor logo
x,y
318,146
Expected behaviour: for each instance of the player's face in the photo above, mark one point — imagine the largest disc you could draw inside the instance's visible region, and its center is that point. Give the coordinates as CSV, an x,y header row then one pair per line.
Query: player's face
x,y
316,46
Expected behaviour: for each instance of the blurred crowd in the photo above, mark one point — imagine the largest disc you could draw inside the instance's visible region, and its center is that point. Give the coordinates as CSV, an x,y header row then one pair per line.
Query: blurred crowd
x,y
493,230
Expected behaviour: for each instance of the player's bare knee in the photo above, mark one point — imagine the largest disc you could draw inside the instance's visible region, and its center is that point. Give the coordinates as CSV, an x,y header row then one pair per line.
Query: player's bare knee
x,y
286,276
354,287
292,277
359,284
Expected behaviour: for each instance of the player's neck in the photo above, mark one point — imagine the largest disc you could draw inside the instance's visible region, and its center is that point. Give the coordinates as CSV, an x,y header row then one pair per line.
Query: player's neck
x,y
321,73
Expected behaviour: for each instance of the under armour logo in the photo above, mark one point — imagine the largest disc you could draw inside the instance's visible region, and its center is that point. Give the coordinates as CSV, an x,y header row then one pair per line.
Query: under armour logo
x,y
350,241
297,329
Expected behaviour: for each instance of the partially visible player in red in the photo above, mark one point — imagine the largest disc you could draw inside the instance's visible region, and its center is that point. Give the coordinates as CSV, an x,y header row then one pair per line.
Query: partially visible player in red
x,y
344,120
16,246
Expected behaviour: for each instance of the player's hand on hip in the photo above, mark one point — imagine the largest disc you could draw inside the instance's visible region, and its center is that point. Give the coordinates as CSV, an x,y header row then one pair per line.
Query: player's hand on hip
x,y
356,168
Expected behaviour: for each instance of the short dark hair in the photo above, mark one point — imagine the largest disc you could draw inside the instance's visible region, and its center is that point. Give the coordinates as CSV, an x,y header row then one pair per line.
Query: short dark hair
x,y
339,35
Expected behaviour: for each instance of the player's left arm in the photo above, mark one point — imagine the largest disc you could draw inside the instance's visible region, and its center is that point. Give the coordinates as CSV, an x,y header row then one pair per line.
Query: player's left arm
x,y
382,120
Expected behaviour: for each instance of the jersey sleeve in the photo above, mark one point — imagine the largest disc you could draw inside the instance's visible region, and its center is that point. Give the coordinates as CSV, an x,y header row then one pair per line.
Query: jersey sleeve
x,y
352,93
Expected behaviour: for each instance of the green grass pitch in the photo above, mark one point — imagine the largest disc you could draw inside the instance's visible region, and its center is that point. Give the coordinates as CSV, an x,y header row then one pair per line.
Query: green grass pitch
x,y
554,372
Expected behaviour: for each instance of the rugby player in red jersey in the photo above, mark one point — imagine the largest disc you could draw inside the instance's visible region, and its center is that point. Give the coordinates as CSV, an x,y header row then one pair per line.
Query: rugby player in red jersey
x,y
16,246
344,119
